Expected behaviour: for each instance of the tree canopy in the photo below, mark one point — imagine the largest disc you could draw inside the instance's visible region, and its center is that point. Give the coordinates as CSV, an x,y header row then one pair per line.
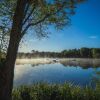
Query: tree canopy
x,y
38,15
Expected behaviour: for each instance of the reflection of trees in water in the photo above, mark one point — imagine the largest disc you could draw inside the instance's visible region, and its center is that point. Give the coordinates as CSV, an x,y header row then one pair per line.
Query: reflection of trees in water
x,y
37,64
95,80
33,65
83,64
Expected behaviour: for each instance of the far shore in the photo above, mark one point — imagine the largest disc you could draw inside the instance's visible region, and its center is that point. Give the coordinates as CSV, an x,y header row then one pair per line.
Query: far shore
x,y
64,61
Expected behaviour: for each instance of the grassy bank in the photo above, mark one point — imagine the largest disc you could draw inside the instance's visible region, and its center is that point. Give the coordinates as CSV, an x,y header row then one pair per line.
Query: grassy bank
x,y
56,92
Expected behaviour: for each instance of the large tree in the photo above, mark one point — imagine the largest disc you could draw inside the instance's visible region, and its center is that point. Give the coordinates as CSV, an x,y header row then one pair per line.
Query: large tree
x,y
19,16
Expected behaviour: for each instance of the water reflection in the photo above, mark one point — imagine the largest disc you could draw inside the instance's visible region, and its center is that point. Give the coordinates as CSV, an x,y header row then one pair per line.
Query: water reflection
x,y
81,64
84,63
78,74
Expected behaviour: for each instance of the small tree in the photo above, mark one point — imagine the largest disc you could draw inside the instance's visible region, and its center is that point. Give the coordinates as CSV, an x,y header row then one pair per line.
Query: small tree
x,y
19,16
85,52
96,53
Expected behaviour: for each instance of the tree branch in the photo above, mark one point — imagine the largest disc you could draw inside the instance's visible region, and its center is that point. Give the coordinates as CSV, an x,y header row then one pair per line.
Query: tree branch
x,y
27,7
32,24
29,15
41,20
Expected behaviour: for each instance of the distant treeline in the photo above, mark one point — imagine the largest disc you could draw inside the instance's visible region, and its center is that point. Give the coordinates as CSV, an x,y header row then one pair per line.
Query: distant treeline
x,y
71,53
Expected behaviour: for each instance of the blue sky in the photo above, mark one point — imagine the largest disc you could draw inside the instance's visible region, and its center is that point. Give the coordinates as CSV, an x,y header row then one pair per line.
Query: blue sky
x,y
84,32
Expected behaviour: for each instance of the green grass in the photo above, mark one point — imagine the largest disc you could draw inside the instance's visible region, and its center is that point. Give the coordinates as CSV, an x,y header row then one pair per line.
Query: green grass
x,y
43,91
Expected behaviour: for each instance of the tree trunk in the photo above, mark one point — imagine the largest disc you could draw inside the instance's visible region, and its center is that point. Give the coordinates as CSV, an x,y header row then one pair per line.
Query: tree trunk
x,y
6,84
6,81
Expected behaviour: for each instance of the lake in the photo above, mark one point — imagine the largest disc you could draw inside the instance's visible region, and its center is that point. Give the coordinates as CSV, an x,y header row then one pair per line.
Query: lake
x,y
26,74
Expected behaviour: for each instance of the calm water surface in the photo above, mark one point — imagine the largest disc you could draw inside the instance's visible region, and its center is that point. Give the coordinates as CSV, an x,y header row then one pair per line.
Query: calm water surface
x,y
53,73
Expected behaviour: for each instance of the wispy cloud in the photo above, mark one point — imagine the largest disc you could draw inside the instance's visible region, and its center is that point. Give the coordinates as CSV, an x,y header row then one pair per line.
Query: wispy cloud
x,y
93,37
